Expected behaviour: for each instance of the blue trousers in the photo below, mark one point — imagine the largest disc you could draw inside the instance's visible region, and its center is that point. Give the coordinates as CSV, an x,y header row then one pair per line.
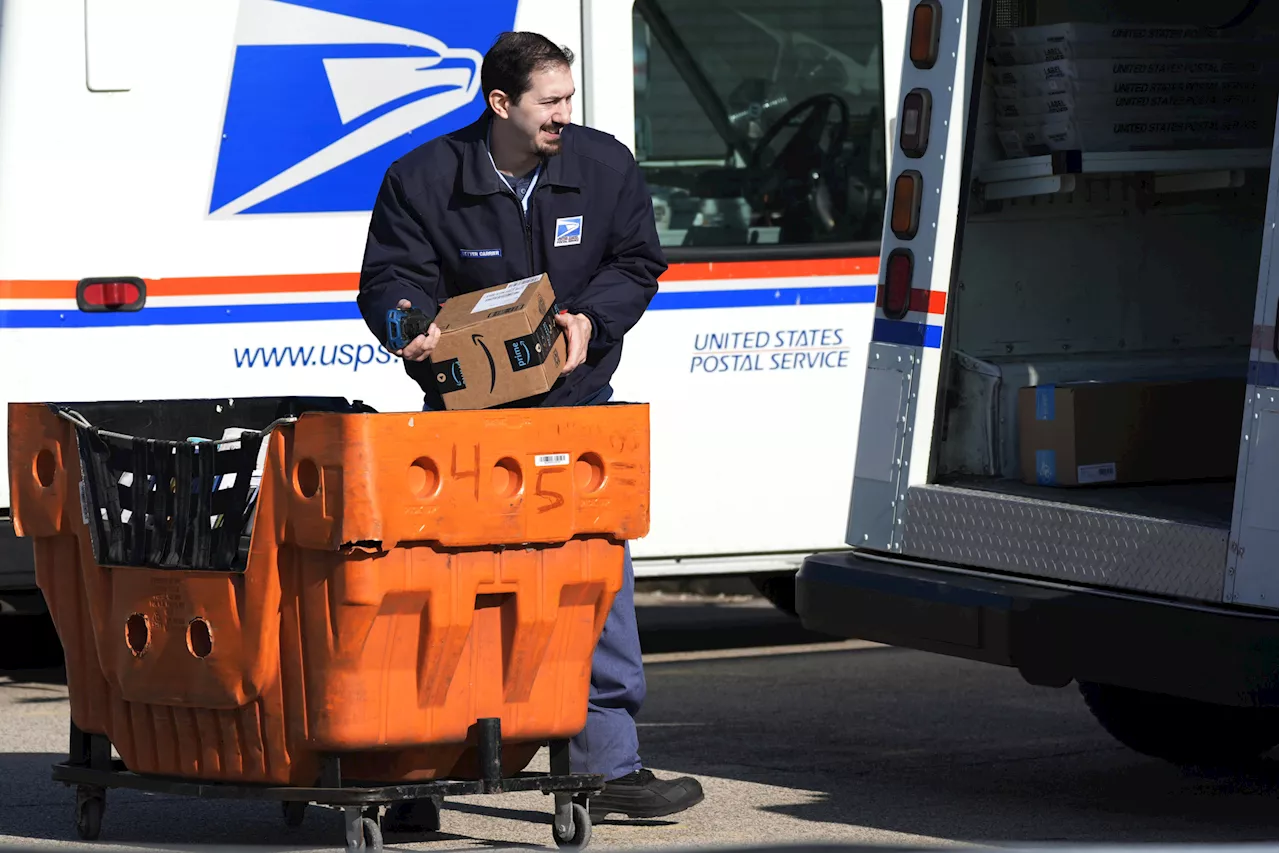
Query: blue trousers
x,y
609,744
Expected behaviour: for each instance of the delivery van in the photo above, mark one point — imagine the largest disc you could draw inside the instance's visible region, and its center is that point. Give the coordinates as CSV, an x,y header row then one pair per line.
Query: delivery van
x,y
1067,449
187,190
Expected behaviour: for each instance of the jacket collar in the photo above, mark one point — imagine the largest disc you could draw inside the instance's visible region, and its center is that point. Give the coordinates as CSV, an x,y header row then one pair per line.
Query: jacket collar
x,y
480,178
562,169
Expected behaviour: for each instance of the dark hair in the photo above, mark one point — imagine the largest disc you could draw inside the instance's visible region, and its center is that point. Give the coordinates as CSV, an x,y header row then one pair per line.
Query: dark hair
x,y
513,59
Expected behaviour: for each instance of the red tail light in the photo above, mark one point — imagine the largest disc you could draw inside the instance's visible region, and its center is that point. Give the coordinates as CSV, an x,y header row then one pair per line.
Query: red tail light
x,y
897,284
111,294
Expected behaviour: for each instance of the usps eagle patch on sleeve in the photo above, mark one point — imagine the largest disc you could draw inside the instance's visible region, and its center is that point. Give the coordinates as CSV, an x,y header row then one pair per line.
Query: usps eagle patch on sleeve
x,y
569,231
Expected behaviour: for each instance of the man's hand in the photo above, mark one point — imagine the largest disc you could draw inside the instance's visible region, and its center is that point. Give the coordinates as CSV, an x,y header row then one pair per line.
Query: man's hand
x,y
421,347
577,332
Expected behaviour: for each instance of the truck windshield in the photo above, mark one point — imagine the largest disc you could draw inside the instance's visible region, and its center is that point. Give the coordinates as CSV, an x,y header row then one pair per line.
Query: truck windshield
x,y
760,122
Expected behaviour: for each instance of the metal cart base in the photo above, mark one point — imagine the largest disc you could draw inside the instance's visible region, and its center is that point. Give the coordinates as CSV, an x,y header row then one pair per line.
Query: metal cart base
x,y
91,768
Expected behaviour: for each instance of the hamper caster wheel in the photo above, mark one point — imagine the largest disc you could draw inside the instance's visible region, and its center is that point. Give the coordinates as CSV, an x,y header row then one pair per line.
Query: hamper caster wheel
x,y
294,813
372,834
363,833
577,834
91,803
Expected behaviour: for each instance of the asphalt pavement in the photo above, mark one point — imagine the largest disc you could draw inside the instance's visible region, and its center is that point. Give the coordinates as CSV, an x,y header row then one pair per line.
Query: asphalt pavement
x,y
795,737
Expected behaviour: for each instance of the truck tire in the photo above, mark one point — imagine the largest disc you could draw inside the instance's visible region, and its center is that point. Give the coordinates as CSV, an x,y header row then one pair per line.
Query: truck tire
x,y
28,641
779,589
1182,731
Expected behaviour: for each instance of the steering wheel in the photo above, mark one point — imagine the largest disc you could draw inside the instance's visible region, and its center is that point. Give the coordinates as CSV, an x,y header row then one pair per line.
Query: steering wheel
x,y
797,176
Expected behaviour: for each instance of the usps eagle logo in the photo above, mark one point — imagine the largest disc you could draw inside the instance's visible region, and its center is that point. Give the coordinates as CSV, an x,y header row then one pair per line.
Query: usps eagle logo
x,y
325,94
568,231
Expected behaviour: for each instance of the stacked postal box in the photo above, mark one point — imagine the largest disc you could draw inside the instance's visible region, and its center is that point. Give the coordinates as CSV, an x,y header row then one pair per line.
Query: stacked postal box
x,y
1116,87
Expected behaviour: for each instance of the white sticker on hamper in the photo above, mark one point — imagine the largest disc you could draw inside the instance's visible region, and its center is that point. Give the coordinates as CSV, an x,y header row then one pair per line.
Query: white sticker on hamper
x,y
546,459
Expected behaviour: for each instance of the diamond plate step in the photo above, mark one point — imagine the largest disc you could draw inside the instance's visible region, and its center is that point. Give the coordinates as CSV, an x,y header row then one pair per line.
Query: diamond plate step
x,y
1180,554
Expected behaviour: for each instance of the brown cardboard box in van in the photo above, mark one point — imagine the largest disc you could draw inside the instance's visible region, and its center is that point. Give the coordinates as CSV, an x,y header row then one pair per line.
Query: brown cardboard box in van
x,y
498,345
1087,433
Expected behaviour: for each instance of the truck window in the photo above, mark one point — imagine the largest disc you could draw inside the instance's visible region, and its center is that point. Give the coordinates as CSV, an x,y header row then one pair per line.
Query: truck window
x,y
759,123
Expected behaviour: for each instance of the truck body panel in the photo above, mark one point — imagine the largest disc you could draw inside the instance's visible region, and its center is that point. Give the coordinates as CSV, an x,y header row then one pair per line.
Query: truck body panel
x,y
227,155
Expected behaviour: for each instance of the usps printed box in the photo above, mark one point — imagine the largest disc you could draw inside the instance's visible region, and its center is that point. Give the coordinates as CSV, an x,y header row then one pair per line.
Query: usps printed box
x,y
1133,77
499,345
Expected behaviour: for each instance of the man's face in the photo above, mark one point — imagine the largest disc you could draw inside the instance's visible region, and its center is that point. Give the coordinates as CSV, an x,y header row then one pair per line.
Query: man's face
x,y
544,109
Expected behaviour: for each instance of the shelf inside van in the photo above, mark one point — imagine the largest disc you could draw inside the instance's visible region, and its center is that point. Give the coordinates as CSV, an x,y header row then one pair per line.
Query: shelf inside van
x,y
1174,171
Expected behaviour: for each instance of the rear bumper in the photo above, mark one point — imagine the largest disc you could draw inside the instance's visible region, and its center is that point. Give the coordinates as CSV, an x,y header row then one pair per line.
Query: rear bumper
x,y
1051,634
18,590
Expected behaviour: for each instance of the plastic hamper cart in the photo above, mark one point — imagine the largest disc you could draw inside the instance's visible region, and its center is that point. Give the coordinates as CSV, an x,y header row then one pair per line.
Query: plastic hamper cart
x,y
403,607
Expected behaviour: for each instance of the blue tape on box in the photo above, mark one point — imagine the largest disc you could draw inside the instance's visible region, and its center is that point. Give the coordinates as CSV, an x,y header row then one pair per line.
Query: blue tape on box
x,y
1044,402
1047,467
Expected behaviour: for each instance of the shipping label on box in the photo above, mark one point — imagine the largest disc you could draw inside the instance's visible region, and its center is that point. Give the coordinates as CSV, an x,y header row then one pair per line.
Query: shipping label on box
x,y
499,345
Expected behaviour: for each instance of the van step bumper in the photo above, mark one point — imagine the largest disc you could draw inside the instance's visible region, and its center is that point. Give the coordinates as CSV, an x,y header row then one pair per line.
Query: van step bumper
x,y
18,590
1052,634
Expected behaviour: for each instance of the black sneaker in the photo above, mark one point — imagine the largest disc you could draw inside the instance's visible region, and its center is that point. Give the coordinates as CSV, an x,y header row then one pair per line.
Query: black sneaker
x,y
643,795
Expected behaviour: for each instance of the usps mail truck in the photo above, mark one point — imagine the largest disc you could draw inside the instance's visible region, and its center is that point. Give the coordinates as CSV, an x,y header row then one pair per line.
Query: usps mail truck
x,y
187,189
1066,455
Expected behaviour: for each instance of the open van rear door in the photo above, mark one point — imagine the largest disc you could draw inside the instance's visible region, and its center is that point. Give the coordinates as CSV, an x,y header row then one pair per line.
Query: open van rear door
x,y
1253,554
924,218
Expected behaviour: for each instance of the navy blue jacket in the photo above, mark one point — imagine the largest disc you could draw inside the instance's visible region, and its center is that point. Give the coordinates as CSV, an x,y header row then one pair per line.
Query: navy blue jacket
x,y
445,223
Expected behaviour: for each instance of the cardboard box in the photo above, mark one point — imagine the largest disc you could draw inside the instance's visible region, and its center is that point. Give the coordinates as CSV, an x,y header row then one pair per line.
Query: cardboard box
x,y
499,345
1089,433
1125,76
1053,134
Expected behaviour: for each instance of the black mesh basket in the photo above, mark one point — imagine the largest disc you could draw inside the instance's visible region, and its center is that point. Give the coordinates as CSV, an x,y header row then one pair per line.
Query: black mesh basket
x,y
176,503
159,503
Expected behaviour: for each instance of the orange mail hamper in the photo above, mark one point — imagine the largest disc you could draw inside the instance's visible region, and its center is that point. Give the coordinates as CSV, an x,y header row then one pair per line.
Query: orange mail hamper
x,y
409,580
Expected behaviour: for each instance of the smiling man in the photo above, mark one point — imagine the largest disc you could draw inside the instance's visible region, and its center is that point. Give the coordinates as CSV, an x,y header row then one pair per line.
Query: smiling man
x,y
520,192
517,193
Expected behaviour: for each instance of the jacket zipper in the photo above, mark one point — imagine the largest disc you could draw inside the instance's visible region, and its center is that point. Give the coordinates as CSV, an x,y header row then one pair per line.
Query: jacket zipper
x,y
528,226
524,222
528,238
